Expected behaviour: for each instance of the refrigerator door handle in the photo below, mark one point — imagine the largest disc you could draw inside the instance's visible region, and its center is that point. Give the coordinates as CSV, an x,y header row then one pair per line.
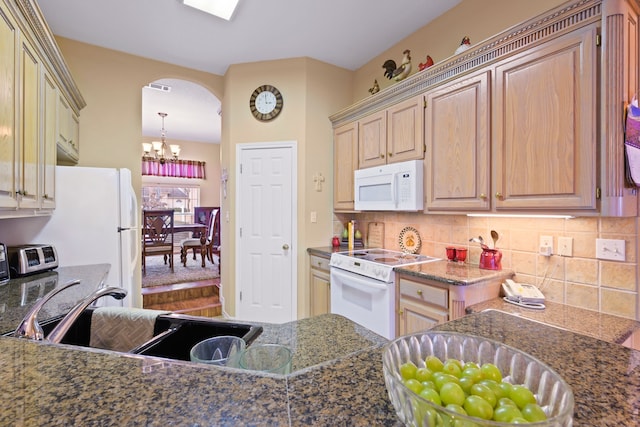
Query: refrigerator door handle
x,y
121,229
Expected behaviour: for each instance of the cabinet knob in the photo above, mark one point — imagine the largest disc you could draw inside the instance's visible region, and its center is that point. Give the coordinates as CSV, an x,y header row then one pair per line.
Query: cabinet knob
x,y
46,196
319,263
483,196
390,154
382,156
285,247
420,292
400,312
498,195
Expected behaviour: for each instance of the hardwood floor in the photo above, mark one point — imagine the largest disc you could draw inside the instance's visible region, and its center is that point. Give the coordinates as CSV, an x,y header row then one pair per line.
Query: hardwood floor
x,y
200,298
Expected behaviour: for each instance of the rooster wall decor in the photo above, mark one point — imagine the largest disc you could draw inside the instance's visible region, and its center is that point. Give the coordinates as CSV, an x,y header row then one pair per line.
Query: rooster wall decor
x,y
398,73
464,45
427,63
375,88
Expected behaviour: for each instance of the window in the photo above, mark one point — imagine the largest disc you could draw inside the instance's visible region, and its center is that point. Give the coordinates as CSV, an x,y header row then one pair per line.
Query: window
x,y
182,199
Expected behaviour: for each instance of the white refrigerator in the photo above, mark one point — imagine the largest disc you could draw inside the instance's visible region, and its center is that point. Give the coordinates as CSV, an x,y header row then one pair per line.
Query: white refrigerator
x,y
96,221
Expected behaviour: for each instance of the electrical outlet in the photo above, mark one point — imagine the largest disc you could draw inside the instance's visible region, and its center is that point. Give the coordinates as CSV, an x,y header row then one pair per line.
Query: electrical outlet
x,y
565,246
610,249
546,245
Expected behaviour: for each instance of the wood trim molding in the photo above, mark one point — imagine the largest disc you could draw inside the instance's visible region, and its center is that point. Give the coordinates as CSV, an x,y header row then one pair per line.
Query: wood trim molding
x,y
34,18
524,36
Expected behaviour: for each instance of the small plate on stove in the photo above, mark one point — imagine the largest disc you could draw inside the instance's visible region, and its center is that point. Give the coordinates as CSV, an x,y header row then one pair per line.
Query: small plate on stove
x,y
409,240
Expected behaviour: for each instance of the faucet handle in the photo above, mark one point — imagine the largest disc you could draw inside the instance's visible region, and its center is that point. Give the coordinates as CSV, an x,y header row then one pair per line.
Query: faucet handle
x,y
29,327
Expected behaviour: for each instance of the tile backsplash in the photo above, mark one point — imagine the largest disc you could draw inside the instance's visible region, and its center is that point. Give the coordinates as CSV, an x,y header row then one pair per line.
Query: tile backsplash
x,y
581,280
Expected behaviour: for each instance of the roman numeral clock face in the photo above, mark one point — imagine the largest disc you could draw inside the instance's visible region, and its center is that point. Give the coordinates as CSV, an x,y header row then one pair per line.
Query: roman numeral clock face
x,y
265,103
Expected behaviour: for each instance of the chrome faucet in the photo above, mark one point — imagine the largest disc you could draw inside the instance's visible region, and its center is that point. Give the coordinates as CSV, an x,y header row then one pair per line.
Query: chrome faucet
x,y
62,328
29,327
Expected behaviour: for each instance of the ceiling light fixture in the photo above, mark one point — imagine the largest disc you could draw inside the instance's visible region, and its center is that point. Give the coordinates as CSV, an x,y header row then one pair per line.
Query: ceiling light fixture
x,y
221,8
159,147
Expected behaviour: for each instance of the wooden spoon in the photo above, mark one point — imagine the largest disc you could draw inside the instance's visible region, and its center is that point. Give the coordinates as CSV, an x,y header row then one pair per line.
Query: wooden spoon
x,y
495,237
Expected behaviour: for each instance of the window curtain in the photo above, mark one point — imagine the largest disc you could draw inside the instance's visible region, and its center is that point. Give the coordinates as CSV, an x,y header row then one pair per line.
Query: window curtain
x,y
174,168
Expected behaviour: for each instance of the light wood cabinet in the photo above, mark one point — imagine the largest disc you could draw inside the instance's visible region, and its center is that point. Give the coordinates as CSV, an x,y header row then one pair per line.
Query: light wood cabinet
x,y
420,306
345,162
424,303
545,111
50,121
457,137
34,79
67,132
392,135
8,105
29,163
320,284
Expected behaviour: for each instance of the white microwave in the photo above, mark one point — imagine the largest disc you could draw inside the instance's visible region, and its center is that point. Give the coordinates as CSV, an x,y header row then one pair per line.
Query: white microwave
x,y
392,187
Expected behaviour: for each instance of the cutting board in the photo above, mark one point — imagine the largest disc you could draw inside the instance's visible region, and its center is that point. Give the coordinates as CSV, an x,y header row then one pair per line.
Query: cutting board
x,y
375,235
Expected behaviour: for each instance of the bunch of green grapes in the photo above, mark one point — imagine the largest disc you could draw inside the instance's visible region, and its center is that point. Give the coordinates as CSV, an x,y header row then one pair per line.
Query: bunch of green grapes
x,y
472,390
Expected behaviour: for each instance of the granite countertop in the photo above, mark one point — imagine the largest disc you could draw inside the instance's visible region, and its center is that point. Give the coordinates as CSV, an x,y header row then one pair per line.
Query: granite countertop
x,y
337,379
449,273
606,327
18,295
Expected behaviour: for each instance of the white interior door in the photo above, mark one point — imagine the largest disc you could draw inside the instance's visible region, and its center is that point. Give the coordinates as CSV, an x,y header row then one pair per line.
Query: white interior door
x,y
266,217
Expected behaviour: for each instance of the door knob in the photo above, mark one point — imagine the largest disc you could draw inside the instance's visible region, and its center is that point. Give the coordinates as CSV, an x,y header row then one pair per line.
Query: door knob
x,y
285,247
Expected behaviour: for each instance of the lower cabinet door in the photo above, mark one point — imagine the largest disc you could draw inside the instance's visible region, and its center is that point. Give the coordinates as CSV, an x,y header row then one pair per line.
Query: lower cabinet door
x,y
320,293
415,317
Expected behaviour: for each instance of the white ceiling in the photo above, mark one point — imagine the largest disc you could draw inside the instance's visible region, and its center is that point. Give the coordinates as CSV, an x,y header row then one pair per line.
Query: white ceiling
x,y
343,33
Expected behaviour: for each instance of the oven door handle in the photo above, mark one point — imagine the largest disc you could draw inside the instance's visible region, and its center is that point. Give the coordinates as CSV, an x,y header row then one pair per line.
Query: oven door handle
x,y
355,280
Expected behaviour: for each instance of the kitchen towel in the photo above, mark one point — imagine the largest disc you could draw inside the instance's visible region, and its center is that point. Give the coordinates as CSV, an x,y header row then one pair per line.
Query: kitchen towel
x,y
632,143
122,328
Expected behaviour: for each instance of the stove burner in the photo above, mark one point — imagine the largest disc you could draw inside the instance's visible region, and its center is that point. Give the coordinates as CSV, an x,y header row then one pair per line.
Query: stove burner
x,y
359,254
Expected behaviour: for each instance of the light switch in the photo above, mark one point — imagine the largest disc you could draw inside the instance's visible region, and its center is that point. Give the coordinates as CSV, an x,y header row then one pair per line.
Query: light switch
x,y
314,217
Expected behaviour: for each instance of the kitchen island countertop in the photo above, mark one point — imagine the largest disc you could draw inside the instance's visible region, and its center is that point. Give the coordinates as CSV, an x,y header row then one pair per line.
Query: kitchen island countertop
x,y
60,385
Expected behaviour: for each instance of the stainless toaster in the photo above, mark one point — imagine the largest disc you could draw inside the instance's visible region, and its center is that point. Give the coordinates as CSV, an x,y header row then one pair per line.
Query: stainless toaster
x,y
4,264
30,259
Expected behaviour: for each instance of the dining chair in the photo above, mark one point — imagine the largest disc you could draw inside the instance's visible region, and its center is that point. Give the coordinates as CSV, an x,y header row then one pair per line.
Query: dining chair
x,y
212,244
157,235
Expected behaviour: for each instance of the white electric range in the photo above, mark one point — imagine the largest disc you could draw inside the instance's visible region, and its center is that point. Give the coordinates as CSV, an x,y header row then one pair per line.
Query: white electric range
x,y
363,286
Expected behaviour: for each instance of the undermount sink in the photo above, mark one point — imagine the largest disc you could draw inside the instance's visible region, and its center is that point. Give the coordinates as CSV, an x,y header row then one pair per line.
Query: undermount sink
x,y
173,335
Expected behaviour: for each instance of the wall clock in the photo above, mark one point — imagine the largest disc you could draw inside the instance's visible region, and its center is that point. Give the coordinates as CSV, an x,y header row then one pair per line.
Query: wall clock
x,y
265,103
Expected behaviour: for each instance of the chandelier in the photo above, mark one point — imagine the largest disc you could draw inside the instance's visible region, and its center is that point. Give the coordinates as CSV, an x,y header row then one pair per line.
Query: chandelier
x,y
160,147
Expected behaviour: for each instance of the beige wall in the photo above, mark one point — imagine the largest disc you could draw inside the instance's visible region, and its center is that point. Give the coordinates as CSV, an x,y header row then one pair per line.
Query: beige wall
x,y
311,90
111,83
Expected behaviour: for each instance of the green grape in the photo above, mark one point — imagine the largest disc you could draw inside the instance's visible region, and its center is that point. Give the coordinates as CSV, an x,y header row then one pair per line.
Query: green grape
x,y
414,385
431,395
452,393
532,412
423,374
408,370
495,388
470,365
504,401
452,368
454,361
476,406
521,395
466,383
491,372
506,413
484,392
474,373
441,379
458,409
519,420
430,384
434,364
506,387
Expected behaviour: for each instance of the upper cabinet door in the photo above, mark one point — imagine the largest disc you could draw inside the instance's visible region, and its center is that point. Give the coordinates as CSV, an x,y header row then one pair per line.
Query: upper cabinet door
x,y
545,126
8,99
457,133
345,162
405,130
372,140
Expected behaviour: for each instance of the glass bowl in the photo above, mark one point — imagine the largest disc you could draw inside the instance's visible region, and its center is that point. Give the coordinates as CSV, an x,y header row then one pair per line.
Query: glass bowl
x,y
552,393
